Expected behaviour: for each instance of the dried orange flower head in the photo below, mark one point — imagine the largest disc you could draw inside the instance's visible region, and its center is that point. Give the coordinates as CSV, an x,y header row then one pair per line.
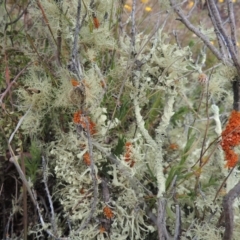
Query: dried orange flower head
x,y
86,159
231,139
173,146
107,212
74,82
102,229
82,190
84,121
95,21
128,154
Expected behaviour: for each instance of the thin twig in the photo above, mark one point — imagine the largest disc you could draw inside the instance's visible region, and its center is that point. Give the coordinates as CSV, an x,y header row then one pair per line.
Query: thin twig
x,y
133,30
41,219
217,17
14,158
45,179
221,42
177,235
13,81
191,10
151,216
176,38
25,211
75,64
232,24
59,36
193,29
14,21
46,20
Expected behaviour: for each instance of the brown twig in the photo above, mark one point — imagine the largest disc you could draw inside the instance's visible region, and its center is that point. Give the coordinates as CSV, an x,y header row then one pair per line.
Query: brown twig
x,y
13,81
46,20
20,15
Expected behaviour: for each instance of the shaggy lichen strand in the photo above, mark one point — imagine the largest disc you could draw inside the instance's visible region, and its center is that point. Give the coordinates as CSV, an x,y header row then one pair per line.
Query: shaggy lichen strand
x,y
203,231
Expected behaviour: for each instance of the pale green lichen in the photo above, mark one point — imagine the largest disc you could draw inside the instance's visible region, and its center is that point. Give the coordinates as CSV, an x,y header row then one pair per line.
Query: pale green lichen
x,y
168,75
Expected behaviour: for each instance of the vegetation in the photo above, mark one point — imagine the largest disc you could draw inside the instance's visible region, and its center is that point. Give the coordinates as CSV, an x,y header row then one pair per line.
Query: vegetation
x,y
114,120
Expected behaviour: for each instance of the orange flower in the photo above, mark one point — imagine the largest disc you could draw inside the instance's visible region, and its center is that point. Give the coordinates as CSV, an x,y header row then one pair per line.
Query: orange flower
x,y
95,21
173,146
107,212
231,139
82,190
102,229
74,82
79,118
128,154
86,159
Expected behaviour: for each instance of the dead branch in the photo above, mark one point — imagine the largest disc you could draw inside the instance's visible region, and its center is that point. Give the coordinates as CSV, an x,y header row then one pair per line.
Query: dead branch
x,y
45,179
193,29
228,211
161,219
74,64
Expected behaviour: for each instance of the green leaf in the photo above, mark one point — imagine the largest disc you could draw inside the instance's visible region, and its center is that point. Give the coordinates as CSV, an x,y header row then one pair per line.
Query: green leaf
x,y
177,169
120,146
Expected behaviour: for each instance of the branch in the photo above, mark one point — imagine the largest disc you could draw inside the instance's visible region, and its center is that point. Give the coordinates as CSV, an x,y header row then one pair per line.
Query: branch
x,y
232,24
45,228
228,211
219,25
177,235
14,159
74,64
133,31
45,179
161,220
14,21
221,44
193,29
13,81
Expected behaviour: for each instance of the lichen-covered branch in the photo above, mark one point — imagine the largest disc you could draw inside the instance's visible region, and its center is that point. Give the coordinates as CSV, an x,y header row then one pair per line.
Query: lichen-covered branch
x,y
75,64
